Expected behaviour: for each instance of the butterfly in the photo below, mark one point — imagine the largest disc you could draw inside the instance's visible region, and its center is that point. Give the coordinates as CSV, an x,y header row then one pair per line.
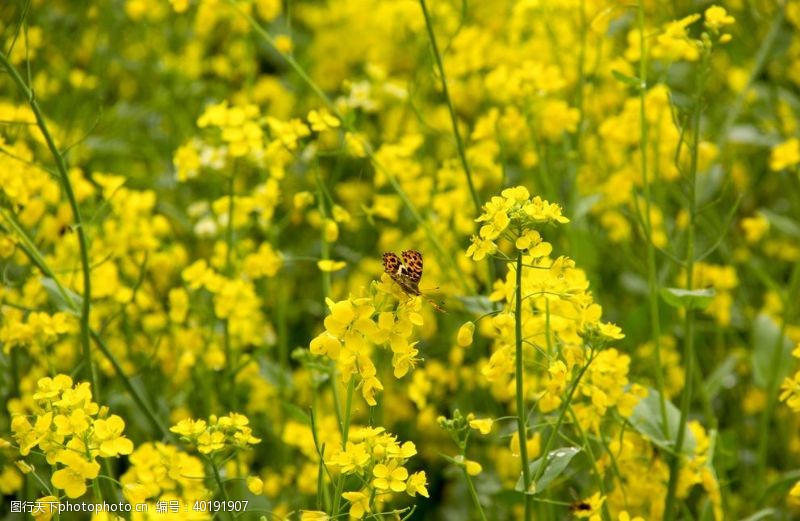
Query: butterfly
x,y
407,273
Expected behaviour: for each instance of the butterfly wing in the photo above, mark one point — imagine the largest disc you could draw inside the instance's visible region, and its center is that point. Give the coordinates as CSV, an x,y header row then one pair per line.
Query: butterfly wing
x,y
391,263
413,261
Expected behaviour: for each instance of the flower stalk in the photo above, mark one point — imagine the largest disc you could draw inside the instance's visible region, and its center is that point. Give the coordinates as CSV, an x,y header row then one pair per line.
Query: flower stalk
x,y
61,165
522,419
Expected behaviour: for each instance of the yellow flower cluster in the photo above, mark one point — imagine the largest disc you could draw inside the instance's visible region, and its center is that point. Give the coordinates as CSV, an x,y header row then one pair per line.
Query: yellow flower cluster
x,y
218,435
514,212
160,472
72,431
380,461
34,331
356,325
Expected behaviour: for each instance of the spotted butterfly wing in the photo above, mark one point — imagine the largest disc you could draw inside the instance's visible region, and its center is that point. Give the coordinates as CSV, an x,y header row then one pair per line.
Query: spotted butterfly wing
x,y
406,277
413,261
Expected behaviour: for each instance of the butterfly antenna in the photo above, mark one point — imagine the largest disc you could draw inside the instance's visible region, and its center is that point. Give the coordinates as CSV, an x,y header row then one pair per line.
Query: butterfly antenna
x,y
436,306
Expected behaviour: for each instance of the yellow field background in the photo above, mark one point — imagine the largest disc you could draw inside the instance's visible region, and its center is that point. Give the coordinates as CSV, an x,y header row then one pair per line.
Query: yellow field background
x,y
400,260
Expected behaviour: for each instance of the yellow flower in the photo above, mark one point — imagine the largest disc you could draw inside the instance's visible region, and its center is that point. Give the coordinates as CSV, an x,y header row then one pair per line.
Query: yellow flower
x,y
557,118
355,144
264,263
417,484
480,248
465,332
209,442
178,305
72,478
329,265
389,477
610,331
313,515
322,120
134,493
48,388
255,485
300,200
353,459
404,451
716,17
45,508
473,467
284,43
754,228
785,155
516,194
593,504
189,427
483,426
359,503
109,434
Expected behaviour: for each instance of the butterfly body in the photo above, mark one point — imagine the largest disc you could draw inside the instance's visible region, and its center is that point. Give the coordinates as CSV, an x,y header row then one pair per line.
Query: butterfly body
x,y
407,273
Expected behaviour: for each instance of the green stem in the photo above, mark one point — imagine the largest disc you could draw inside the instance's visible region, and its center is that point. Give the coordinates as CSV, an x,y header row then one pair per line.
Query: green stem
x,y
83,242
345,432
561,415
218,479
29,248
331,106
229,354
324,247
453,119
462,154
689,319
473,493
652,272
520,389
137,397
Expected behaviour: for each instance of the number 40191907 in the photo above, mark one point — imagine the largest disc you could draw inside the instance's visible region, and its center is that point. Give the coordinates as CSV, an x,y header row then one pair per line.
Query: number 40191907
x,y
220,506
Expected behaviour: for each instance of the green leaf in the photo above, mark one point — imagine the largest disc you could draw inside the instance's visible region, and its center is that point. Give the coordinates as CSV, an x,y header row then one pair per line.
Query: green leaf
x,y
688,298
555,464
781,223
477,304
765,337
627,80
275,374
296,412
647,420
723,376
64,299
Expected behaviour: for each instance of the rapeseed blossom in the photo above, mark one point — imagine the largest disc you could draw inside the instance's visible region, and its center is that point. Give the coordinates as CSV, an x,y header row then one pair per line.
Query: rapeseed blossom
x,y
192,219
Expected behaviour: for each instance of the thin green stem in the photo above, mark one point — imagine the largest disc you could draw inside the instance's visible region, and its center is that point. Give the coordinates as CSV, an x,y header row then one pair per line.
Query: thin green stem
x,y
561,415
453,118
229,354
140,400
462,154
221,486
345,433
324,247
347,125
473,493
520,389
652,271
29,248
83,242
689,318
